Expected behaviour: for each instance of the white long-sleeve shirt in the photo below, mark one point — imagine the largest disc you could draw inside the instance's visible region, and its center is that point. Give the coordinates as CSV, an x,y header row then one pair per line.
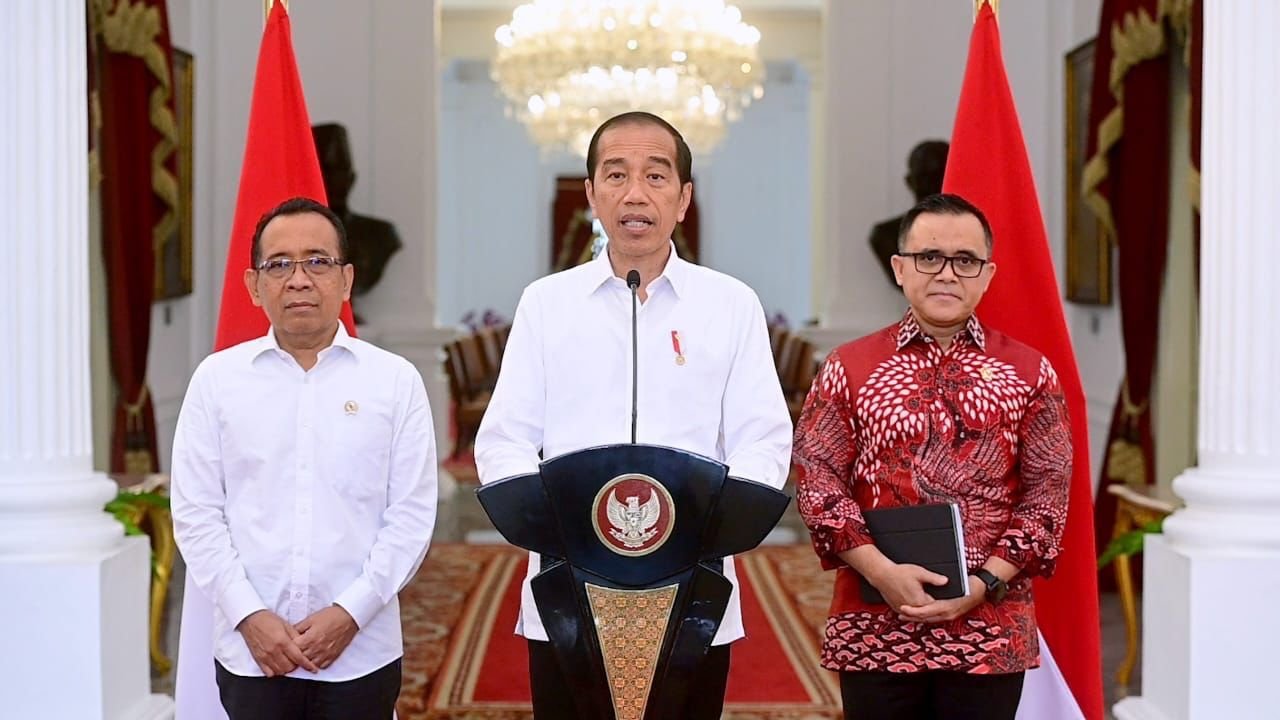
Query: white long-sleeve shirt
x,y
294,490
565,383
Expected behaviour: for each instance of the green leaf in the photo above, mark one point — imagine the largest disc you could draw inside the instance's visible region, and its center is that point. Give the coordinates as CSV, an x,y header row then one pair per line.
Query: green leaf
x,y
1129,543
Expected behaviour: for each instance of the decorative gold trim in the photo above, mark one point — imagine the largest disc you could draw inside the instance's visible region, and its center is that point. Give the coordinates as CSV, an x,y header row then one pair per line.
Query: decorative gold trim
x,y
161,525
1125,460
1137,37
630,627
133,29
995,7
136,459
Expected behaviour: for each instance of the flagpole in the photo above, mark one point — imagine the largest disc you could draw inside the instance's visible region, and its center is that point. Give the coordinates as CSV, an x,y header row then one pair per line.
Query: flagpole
x,y
266,8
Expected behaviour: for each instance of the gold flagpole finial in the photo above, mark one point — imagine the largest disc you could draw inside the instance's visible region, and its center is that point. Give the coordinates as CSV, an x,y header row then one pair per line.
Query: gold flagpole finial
x,y
266,8
977,6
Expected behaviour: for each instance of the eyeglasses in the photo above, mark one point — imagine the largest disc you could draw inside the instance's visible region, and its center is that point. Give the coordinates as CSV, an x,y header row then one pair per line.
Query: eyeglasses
x,y
932,263
315,266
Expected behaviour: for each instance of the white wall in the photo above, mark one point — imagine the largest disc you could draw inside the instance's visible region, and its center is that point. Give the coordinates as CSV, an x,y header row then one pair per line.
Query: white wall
x,y
753,195
494,196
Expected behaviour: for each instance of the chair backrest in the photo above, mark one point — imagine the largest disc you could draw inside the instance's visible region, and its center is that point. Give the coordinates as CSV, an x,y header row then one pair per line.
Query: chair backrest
x,y
492,346
453,369
475,367
788,353
804,371
777,333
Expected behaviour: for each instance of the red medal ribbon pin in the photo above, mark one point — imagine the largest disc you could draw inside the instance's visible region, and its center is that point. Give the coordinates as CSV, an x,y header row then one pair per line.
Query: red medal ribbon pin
x,y
675,345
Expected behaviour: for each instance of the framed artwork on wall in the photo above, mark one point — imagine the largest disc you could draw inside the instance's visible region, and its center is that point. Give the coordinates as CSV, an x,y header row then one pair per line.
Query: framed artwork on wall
x,y
1088,252
173,255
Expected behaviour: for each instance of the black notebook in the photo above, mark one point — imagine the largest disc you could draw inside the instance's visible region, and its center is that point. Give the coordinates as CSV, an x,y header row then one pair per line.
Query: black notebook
x,y
930,536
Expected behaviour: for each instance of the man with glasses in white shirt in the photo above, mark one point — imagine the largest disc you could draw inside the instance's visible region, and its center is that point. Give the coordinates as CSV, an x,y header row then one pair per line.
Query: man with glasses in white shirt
x,y
304,489
707,382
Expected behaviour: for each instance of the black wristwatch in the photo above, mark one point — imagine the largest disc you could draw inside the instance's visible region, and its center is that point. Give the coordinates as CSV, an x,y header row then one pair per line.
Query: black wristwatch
x,y
996,588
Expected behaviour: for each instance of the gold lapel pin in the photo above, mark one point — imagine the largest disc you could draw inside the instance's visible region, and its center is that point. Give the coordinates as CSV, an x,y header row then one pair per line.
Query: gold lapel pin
x,y
350,407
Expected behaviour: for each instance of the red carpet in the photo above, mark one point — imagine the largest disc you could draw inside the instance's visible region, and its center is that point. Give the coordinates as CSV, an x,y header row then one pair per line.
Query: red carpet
x,y
482,673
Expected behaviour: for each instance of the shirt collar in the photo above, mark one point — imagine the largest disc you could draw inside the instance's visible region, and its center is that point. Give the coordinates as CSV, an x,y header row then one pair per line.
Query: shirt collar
x,y
600,271
341,339
909,329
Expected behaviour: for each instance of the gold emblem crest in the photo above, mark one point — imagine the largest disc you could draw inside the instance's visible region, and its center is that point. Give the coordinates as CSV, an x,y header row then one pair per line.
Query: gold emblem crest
x,y
633,514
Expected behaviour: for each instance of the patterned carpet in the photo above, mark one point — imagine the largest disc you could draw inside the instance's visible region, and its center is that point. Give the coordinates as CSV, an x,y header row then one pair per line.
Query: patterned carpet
x,y
458,648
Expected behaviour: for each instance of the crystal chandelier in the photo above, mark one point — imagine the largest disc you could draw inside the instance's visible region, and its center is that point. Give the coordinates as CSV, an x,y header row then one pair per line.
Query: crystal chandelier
x,y
565,66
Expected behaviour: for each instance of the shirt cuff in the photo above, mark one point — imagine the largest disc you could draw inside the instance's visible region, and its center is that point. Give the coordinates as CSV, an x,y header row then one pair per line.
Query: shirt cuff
x,y
360,601
239,601
831,543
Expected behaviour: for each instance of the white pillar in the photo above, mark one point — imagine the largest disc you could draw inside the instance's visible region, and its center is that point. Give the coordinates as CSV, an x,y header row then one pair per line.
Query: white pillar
x,y
74,591
50,498
1206,652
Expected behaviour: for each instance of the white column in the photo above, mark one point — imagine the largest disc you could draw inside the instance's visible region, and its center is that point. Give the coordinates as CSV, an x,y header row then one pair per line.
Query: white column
x,y
50,498
75,592
1206,652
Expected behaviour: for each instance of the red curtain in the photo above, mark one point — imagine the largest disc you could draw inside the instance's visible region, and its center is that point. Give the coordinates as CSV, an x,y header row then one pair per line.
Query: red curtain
x,y
1127,184
139,202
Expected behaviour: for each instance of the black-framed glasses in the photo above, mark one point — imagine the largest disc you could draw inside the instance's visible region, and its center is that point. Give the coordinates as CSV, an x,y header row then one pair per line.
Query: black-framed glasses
x,y
932,263
315,266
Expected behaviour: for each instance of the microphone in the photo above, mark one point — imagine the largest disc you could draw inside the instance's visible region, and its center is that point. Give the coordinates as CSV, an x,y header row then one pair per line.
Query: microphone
x,y
633,282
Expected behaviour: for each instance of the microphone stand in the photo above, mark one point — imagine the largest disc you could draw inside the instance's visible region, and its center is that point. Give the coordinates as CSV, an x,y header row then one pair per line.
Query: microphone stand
x,y
633,282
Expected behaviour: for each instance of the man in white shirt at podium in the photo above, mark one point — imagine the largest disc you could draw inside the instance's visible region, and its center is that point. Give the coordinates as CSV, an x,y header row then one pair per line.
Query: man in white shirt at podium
x,y
706,377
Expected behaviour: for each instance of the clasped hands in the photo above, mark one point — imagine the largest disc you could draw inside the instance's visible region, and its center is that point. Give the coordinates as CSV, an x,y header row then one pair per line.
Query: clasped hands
x,y
903,588
313,644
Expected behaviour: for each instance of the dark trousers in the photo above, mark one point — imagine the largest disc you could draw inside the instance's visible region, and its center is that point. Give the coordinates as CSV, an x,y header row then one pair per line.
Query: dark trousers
x,y
929,695
372,697
553,695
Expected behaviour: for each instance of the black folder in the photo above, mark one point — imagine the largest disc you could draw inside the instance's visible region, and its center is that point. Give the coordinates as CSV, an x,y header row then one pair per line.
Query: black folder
x,y
930,536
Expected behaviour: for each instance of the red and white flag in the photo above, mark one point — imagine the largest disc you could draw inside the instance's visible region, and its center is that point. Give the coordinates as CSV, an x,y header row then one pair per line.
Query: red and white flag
x,y
279,163
988,166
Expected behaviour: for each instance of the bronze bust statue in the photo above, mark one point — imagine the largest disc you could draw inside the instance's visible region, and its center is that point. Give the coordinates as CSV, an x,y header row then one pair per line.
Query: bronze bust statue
x,y
925,168
371,241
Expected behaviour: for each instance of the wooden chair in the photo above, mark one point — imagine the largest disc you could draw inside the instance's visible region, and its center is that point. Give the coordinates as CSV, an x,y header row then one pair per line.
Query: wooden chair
x,y
797,374
777,333
463,362
472,363
492,342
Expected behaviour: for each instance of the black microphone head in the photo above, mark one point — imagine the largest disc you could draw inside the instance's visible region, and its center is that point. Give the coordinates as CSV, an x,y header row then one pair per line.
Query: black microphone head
x,y
633,279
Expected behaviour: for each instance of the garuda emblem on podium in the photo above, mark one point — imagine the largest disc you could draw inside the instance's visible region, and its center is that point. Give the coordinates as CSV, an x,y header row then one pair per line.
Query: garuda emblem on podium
x,y
633,514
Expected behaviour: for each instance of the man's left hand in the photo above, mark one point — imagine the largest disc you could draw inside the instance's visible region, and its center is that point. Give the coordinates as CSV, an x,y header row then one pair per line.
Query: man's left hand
x,y
324,635
947,610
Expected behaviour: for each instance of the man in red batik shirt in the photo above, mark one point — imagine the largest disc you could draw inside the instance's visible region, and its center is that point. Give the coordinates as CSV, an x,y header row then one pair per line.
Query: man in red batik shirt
x,y
936,408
